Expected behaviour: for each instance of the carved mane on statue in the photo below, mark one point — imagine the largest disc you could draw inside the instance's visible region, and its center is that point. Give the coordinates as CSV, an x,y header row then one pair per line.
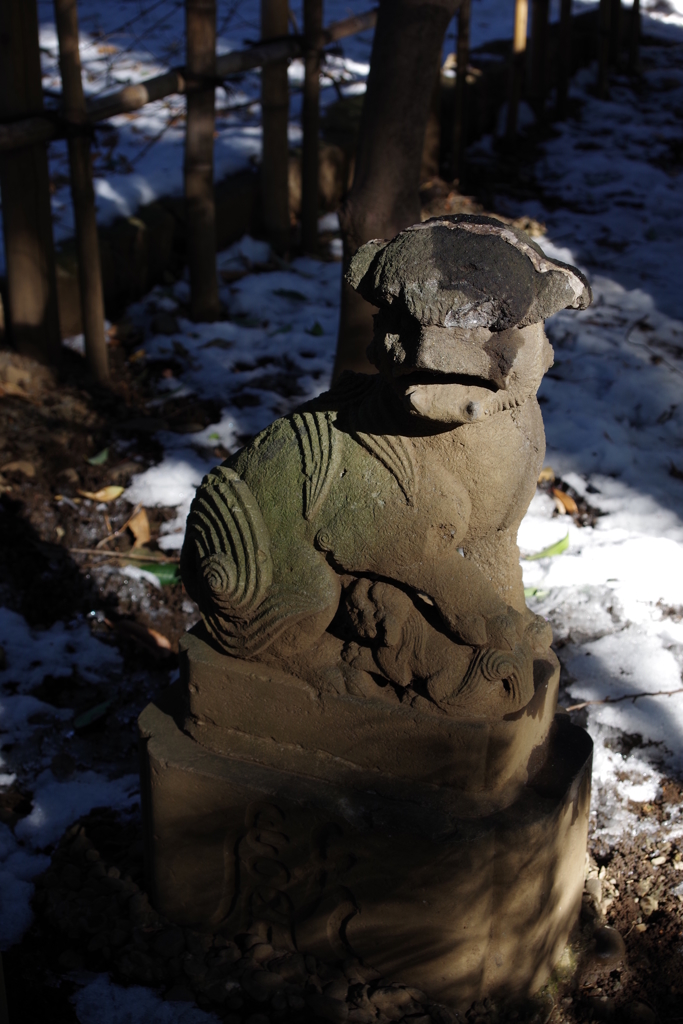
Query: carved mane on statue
x,y
367,679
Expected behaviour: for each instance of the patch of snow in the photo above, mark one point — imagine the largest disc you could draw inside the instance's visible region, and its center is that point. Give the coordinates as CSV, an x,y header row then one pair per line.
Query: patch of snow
x,y
101,1001
64,648
613,179
614,597
19,714
56,805
281,340
17,867
134,572
329,222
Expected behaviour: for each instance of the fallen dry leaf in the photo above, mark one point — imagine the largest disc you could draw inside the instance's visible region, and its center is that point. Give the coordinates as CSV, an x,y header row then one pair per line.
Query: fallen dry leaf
x,y
566,501
7,388
161,640
153,641
104,494
15,375
547,475
139,527
20,466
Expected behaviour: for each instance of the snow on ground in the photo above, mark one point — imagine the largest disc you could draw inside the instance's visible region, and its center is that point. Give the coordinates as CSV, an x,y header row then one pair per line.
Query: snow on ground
x,y
615,172
276,353
31,655
615,597
101,1001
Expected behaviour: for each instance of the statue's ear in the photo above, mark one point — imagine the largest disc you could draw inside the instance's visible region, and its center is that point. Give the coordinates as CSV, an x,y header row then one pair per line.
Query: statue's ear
x,y
357,274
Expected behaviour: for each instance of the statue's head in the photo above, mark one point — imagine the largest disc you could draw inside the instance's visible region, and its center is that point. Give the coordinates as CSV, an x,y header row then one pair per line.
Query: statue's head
x,y
462,302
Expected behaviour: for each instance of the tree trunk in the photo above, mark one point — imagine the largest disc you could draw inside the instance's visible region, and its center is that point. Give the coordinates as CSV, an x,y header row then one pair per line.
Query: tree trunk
x,y
540,11
564,61
517,59
200,201
82,192
274,118
384,198
313,23
615,33
31,282
634,40
603,48
460,112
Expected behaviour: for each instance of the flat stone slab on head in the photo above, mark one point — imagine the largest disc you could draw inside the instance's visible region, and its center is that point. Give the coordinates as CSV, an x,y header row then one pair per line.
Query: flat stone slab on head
x,y
466,272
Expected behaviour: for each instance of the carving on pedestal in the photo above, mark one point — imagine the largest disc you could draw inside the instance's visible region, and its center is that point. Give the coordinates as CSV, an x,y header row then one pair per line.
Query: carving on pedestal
x,y
262,874
264,870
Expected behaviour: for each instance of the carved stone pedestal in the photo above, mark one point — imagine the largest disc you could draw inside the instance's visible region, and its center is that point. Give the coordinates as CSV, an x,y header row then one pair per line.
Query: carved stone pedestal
x,y
264,802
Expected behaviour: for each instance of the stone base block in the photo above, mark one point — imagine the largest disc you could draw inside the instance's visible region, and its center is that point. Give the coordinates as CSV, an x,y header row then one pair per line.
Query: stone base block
x,y
461,908
257,712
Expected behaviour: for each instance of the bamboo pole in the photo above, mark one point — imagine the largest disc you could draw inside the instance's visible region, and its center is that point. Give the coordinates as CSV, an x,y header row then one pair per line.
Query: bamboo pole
x,y
82,193
200,204
517,64
24,181
615,33
274,118
604,47
540,10
460,98
313,22
26,132
634,39
564,63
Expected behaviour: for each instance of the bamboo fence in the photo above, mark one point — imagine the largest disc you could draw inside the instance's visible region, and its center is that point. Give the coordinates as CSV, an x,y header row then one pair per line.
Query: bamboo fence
x,y
26,129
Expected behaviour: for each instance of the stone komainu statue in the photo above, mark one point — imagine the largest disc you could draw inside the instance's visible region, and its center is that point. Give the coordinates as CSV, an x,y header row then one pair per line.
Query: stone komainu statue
x,y
363,757
367,542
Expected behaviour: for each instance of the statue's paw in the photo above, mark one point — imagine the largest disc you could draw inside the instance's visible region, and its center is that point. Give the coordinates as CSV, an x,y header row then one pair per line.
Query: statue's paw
x,y
504,632
471,630
357,657
538,634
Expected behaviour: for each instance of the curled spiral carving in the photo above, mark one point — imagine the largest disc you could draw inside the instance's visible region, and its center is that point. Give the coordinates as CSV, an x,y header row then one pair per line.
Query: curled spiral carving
x,y
219,576
226,562
324,541
512,668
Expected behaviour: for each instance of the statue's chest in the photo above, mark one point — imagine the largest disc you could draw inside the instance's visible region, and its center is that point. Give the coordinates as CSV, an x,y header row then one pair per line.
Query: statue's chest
x,y
402,484
498,463
482,468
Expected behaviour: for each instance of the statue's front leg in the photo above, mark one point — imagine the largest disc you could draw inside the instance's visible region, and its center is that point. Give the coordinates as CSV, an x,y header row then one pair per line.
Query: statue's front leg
x,y
469,605
497,557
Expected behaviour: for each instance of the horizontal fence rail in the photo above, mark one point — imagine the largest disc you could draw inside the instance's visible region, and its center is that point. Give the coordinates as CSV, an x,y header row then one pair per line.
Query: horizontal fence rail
x,y
26,127
28,131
